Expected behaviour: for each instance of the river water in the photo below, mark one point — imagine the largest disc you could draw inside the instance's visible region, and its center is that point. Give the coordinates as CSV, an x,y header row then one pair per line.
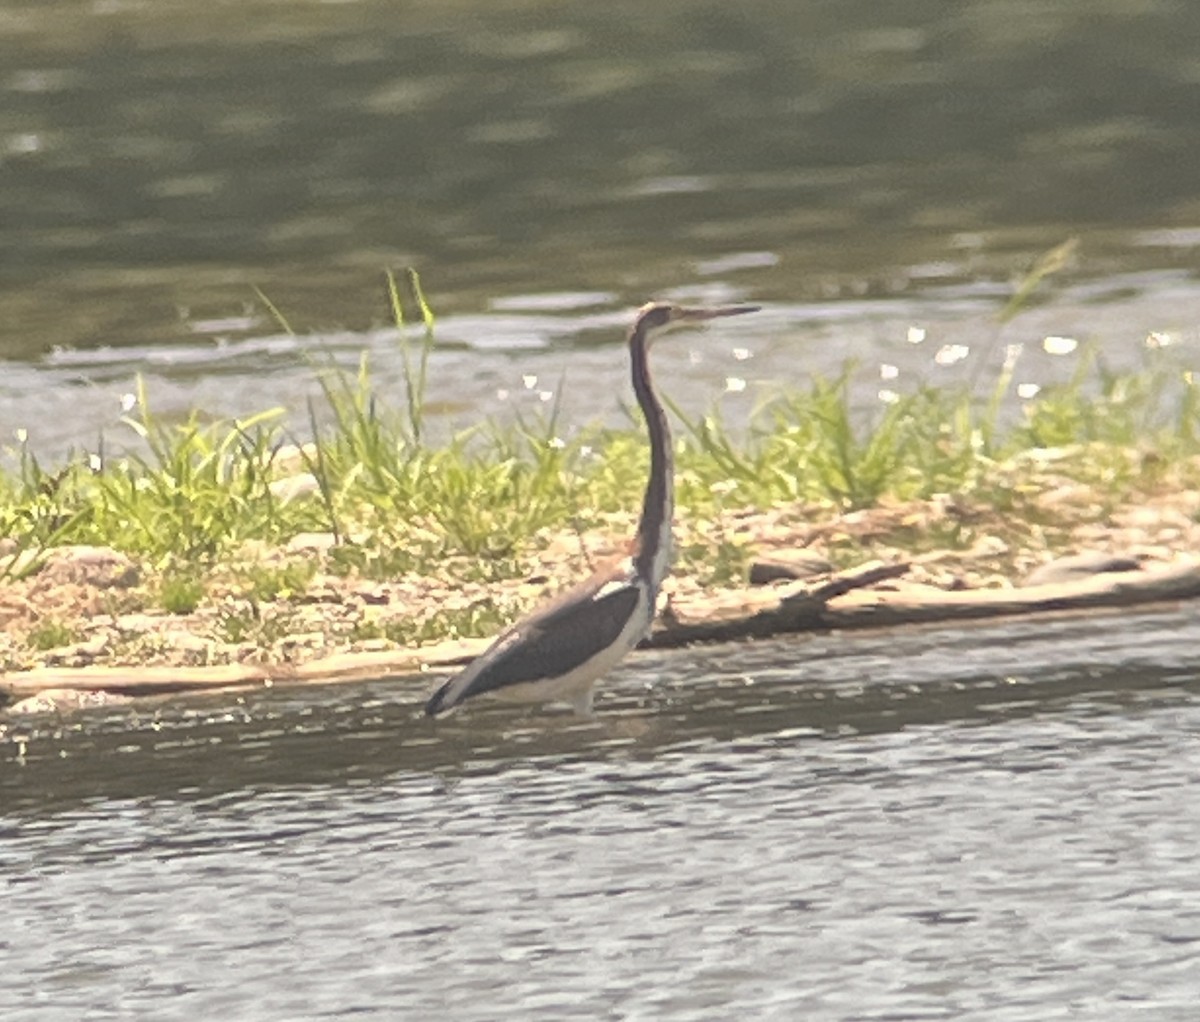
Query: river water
x,y
990,823
986,823
873,173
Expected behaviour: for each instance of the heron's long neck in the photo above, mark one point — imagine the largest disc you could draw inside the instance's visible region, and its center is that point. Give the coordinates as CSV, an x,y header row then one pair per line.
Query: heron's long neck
x,y
653,551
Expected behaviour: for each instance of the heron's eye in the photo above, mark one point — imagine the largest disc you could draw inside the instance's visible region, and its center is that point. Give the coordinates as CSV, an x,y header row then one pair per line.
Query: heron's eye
x,y
661,316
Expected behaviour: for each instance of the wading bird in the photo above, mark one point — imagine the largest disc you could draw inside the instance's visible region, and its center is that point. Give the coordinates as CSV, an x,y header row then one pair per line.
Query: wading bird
x,y
557,653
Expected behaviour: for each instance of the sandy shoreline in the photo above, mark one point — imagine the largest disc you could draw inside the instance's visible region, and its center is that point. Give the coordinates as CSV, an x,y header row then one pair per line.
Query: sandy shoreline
x,y
1137,554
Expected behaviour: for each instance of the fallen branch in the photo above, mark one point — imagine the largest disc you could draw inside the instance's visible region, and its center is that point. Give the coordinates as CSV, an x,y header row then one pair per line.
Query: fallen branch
x,y
838,602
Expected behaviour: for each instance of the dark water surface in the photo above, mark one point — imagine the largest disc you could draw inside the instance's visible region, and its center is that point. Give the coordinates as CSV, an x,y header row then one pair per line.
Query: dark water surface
x,y
862,168
996,823
991,823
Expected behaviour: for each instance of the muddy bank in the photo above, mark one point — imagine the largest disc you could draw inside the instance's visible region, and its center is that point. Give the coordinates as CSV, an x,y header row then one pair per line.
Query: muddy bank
x,y
337,627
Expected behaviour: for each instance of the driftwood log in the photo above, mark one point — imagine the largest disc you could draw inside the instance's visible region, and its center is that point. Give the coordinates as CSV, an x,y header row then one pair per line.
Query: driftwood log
x,y
840,601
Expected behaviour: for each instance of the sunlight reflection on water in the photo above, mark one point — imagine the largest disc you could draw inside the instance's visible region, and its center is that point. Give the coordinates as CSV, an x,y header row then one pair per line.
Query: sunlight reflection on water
x,y
841,827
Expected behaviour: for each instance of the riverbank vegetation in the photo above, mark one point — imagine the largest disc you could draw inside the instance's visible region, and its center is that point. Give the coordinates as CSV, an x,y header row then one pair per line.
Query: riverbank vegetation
x,y
241,525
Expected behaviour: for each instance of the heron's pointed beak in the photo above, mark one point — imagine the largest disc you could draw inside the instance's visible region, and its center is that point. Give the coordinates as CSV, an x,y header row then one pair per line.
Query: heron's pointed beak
x,y
695,315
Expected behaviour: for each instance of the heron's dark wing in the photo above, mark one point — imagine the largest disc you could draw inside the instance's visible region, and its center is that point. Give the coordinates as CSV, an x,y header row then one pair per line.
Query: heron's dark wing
x,y
552,641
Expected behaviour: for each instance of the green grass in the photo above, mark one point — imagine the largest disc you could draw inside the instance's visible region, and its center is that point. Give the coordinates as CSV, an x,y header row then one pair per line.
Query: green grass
x,y
50,633
181,589
475,621
239,621
264,583
476,506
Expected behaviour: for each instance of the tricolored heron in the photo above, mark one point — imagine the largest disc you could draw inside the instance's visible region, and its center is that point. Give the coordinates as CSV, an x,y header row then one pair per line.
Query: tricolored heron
x,y
557,653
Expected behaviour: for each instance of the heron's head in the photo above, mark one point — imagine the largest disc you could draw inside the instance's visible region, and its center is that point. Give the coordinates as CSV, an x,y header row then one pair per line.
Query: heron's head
x,y
656,318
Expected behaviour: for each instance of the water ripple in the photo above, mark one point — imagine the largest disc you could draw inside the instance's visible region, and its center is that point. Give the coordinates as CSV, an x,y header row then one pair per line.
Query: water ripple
x,y
777,832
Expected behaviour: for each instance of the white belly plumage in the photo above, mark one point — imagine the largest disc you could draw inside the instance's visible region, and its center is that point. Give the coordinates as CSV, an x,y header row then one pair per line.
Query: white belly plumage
x,y
575,687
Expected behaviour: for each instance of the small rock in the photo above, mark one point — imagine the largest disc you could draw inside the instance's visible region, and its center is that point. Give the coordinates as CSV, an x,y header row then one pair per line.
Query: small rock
x,y
75,654
85,651
1071,494
304,484
1078,566
17,565
1149,518
377,595
138,624
254,550
989,546
185,641
306,542
98,566
787,564
59,700
290,457
321,593
299,643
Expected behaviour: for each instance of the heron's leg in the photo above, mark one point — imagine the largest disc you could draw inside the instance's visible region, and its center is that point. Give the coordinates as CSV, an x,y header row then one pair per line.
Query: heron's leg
x,y
582,703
